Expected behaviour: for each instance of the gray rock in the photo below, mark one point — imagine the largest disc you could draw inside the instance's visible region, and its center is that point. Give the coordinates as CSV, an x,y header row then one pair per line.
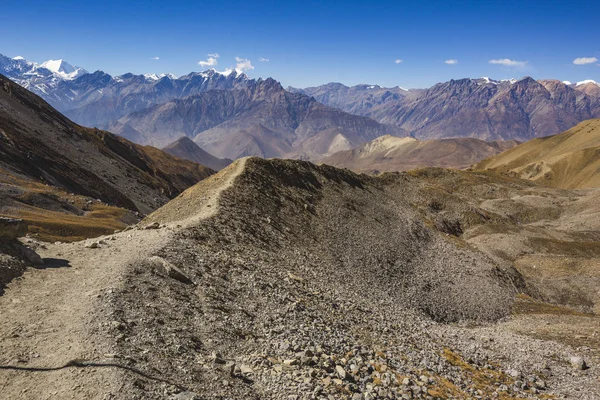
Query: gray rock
x,y
340,371
31,256
246,369
578,362
171,270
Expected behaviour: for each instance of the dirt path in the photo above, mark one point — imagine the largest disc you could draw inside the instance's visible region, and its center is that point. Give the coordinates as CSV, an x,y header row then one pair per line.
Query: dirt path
x,y
58,316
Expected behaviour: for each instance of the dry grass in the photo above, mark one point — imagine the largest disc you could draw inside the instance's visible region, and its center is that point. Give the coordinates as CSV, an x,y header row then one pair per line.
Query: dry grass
x,y
54,226
527,305
63,216
484,380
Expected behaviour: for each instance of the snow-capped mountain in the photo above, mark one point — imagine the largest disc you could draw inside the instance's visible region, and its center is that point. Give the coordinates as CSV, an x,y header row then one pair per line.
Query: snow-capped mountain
x,y
38,78
98,98
95,99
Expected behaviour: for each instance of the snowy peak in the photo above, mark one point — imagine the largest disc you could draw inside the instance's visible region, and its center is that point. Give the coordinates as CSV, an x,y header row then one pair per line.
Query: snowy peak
x,y
155,77
63,69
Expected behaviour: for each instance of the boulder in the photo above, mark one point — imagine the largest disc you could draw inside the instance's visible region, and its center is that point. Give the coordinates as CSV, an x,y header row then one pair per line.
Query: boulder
x,y
11,228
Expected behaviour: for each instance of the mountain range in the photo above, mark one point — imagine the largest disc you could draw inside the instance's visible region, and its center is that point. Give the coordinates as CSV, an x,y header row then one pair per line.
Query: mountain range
x,y
230,115
479,108
261,119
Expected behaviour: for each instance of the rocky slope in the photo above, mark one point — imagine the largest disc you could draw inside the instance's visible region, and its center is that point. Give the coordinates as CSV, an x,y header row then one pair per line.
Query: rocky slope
x,y
186,148
261,119
38,144
389,153
275,278
568,160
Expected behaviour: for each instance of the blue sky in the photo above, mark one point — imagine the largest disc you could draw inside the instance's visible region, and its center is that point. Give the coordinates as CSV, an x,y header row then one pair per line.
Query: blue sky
x,y
313,42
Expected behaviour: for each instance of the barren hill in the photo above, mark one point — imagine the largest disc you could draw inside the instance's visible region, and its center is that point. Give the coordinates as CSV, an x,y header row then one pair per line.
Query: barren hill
x,y
568,160
278,278
186,148
389,153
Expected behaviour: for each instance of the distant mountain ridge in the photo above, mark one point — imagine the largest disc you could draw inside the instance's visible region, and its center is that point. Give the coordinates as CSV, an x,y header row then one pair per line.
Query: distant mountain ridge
x,y
480,108
95,99
357,99
41,79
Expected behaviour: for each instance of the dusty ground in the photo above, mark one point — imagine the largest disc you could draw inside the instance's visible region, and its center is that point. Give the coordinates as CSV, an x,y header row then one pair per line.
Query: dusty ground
x,y
309,282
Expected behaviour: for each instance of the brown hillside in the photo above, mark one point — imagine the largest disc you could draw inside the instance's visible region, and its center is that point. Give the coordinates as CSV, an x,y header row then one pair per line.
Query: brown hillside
x,y
569,160
391,154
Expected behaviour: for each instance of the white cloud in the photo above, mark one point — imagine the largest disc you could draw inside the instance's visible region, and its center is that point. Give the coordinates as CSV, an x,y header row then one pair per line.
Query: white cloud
x,y
399,61
509,63
243,64
155,58
211,61
585,60
262,59
451,62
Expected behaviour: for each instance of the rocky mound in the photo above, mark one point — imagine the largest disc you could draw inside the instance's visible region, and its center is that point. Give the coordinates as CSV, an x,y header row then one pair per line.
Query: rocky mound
x,y
308,280
569,160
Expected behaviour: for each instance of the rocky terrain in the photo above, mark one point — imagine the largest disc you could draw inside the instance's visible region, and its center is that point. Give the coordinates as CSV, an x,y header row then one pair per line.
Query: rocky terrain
x,y
261,119
569,160
282,279
390,154
186,148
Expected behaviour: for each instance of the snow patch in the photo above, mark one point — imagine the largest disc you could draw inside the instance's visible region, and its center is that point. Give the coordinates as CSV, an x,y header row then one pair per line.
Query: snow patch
x,y
585,82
